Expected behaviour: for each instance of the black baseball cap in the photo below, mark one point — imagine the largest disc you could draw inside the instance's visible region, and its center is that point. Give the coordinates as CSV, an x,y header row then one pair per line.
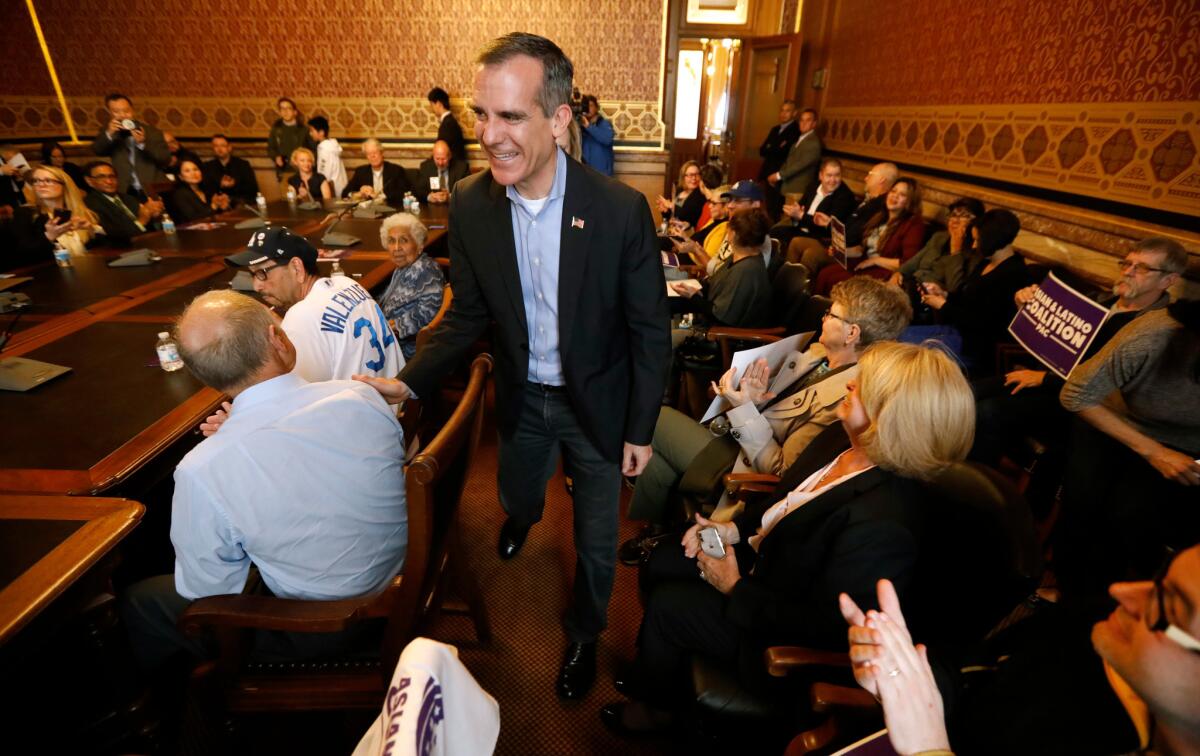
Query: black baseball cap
x,y
273,243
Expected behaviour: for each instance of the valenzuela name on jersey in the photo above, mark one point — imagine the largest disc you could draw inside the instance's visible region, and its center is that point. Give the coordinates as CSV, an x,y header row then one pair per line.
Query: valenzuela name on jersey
x,y
340,306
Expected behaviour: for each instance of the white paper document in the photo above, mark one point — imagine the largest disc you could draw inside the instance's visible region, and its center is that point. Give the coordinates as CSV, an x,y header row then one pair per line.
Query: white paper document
x,y
774,354
690,284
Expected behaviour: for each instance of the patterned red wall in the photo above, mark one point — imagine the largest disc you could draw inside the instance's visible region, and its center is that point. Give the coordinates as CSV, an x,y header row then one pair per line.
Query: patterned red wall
x,y
950,52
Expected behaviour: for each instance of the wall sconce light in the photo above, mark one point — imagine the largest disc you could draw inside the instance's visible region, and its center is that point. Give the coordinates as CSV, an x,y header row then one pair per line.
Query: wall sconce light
x,y
727,43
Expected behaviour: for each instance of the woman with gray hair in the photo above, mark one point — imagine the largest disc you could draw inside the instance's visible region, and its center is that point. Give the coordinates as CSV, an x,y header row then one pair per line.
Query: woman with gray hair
x,y
414,295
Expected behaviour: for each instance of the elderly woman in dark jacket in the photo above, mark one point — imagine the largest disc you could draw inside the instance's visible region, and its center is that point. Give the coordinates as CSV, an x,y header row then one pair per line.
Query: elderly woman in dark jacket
x,y
855,517
414,293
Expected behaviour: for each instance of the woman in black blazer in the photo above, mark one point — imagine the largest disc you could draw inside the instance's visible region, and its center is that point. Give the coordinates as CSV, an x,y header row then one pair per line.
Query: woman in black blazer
x,y
855,516
189,201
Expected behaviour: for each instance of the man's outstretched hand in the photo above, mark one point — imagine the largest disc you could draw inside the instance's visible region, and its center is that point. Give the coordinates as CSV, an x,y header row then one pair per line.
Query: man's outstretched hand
x,y
391,389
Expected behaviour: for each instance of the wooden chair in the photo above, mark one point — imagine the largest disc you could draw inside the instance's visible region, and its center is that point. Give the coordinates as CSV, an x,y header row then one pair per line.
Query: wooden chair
x,y
434,483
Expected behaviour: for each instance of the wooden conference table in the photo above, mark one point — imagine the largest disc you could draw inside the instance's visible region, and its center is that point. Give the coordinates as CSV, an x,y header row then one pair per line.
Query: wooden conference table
x,y
90,429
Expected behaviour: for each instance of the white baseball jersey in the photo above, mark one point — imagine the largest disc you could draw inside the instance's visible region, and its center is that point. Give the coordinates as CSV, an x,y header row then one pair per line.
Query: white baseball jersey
x,y
339,330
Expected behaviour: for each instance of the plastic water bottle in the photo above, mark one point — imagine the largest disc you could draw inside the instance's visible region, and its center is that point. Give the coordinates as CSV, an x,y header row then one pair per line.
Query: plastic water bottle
x,y
62,256
168,224
291,196
261,201
168,352
408,201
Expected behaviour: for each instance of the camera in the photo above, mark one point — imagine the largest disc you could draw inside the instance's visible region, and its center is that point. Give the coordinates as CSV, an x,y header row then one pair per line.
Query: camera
x,y
577,109
129,124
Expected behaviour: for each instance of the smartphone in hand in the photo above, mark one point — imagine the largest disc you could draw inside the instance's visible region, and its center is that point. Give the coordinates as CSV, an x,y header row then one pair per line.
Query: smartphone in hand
x,y
61,216
711,543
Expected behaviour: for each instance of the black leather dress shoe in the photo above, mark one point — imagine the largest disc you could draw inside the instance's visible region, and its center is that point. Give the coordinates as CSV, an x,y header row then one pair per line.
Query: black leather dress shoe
x,y
578,671
512,538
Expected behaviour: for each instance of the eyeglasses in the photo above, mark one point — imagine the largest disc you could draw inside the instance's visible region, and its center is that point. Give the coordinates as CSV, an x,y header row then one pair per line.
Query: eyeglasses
x,y
830,314
961,215
691,174
1138,268
104,176
44,181
261,273
1174,633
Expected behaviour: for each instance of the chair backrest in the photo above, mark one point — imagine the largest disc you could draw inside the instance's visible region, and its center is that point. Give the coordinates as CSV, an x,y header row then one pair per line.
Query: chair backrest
x,y
434,482
788,293
424,334
980,559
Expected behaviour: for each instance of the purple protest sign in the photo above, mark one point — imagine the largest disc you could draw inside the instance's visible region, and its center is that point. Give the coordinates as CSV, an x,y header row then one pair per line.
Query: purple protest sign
x,y
1057,325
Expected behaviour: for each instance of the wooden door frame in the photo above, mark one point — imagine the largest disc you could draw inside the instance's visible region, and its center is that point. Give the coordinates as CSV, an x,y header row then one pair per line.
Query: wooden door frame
x,y
791,86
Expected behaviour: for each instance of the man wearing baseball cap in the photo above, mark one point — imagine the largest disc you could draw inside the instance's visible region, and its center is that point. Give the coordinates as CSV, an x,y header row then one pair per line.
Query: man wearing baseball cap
x,y
743,195
338,329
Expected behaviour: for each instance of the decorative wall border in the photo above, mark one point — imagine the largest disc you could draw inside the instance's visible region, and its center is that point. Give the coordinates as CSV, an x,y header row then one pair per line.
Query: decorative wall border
x,y
1140,153
637,124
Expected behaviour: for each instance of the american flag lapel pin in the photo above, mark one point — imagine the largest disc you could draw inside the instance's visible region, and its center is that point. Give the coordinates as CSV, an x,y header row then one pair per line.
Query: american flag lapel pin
x,y
576,222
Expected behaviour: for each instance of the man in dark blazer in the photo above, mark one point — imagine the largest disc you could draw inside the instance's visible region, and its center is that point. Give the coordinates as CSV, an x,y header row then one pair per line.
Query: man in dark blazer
x,y
829,198
448,129
228,174
799,170
139,154
121,216
448,170
774,151
566,262
378,175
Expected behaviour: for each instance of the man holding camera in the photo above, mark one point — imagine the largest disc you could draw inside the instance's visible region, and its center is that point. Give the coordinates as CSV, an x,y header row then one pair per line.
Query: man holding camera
x,y
137,150
597,136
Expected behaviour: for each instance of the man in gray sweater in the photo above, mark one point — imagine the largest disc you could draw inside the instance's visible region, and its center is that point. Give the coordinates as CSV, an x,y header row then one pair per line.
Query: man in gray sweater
x,y
1132,487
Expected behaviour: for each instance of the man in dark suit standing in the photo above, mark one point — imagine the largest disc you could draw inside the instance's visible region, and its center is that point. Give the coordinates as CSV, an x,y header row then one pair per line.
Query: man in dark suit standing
x,y
121,216
799,170
448,171
137,150
448,129
774,150
566,262
228,174
378,176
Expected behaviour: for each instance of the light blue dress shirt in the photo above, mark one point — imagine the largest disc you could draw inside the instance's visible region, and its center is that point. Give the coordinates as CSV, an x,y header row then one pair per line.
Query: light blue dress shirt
x,y
304,479
538,234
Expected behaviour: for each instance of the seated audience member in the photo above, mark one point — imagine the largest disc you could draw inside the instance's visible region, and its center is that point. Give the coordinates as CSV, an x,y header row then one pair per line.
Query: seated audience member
x,y
14,170
139,154
60,219
1131,687
1025,401
941,259
414,294
768,427
738,294
829,198
305,480
890,239
710,179
718,217
179,153
378,177
229,174
1132,480
857,517
876,186
597,137
121,216
329,154
190,201
288,133
687,205
982,307
448,129
309,184
338,329
742,196
52,154
446,168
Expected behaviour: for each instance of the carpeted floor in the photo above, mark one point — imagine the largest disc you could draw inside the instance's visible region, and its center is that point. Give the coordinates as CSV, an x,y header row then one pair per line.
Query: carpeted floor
x,y
525,600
